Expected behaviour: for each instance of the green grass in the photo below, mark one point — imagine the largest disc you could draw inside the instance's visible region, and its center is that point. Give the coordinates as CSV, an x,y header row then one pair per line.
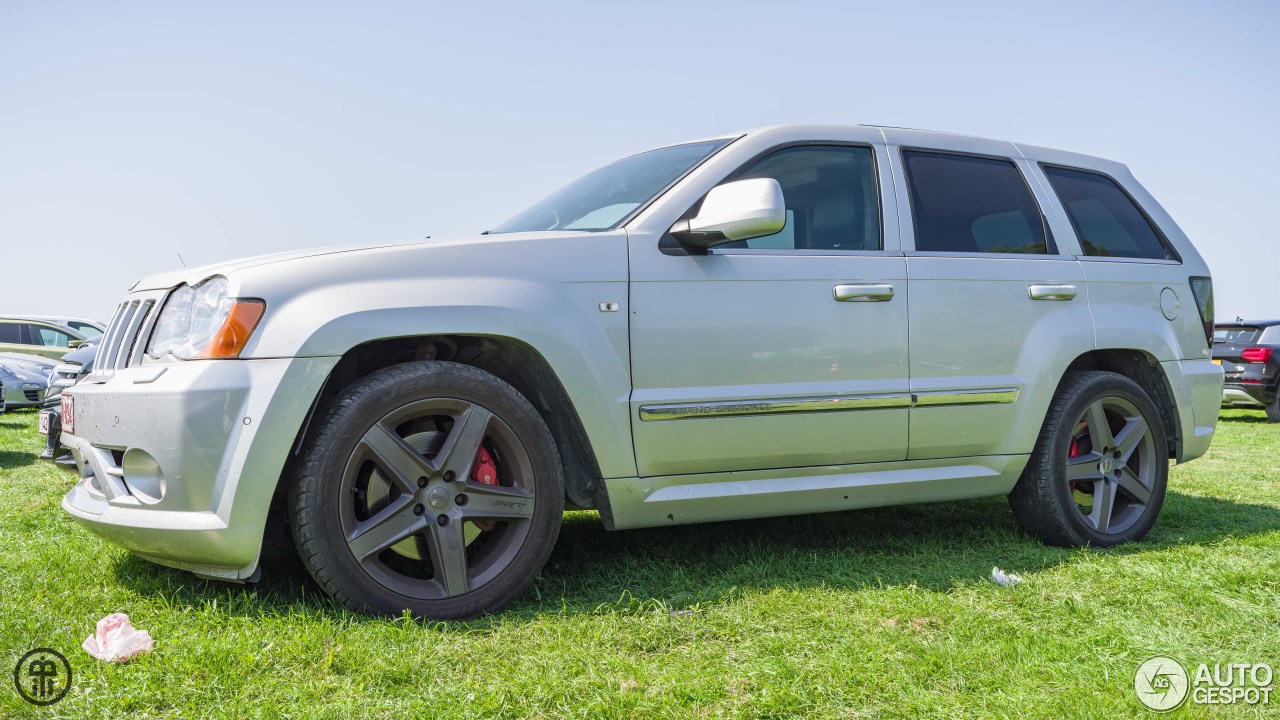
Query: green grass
x,y
866,614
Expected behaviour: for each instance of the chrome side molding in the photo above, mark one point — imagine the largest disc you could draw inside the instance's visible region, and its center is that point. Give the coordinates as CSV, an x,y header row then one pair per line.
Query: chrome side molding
x,y
828,403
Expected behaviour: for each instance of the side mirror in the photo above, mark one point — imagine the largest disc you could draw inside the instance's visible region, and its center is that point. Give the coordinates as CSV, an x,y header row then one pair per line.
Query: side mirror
x,y
73,344
739,210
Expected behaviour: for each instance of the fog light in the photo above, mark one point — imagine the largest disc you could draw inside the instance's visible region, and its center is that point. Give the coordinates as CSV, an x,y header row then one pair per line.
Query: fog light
x,y
142,475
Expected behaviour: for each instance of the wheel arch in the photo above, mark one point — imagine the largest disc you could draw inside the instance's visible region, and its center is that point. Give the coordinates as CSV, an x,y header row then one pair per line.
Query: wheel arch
x,y
510,359
1143,368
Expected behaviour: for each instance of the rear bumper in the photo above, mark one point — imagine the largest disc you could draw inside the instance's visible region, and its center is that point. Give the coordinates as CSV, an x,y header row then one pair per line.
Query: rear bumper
x,y
1197,391
1247,395
180,467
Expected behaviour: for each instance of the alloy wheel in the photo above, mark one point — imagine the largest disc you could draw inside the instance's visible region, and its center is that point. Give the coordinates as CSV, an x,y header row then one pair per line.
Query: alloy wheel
x,y
1111,465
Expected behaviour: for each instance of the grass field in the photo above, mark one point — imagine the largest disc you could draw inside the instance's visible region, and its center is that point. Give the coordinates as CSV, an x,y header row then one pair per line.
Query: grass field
x,y
869,614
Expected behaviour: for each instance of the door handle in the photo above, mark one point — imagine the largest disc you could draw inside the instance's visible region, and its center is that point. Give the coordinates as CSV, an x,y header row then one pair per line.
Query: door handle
x,y
1051,292
868,292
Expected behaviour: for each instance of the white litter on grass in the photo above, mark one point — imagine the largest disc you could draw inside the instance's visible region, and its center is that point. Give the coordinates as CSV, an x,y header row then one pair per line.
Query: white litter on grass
x,y
117,640
1004,579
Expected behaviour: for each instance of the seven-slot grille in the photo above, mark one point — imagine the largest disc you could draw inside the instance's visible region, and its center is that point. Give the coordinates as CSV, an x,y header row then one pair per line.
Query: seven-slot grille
x,y
126,338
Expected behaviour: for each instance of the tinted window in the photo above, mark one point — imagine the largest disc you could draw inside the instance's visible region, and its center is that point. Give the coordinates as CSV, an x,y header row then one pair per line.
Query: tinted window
x,y
962,203
1236,335
831,197
1107,221
47,336
9,333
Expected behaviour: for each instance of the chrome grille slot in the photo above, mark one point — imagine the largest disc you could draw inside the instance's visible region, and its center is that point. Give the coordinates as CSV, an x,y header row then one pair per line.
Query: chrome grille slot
x,y
150,313
124,343
119,345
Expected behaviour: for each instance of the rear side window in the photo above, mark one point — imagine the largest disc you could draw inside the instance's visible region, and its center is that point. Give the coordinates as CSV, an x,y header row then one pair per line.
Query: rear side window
x,y
9,333
963,203
1108,222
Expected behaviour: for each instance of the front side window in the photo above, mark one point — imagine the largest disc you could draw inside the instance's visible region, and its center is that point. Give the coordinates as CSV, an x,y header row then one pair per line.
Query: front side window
x,y
89,331
1107,221
47,336
969,204
831,198
601,200
9,333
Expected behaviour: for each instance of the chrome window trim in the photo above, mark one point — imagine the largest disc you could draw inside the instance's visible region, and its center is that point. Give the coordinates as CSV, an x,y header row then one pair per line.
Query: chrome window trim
x,y
826,403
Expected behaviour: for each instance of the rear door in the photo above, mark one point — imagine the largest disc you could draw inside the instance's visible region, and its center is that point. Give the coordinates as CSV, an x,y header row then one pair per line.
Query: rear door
x,y
997,308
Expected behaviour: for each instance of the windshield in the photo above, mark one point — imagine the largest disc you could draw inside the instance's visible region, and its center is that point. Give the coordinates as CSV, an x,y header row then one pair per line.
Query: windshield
x,y
602,199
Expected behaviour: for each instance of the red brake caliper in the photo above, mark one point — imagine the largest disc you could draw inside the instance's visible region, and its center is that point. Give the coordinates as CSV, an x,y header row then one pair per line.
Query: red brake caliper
x,y
1073,452
485,472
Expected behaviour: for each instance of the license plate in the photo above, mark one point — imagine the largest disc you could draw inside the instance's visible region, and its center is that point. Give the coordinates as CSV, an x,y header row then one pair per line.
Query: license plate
x,y
1217,361
44,422
68,414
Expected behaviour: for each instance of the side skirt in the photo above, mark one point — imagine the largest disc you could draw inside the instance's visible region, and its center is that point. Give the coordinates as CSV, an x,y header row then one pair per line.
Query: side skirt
x,y
683,499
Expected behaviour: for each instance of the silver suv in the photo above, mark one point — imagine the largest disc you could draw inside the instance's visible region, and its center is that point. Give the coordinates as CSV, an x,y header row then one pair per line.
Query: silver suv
x,y
790,320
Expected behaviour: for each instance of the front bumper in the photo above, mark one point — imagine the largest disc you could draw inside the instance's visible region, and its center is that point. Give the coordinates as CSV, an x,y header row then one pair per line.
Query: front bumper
x,y
1197,392
179,461
23,395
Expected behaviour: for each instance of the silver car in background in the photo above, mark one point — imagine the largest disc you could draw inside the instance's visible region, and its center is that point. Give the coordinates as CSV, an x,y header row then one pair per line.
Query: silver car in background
x,y
25,379
790,320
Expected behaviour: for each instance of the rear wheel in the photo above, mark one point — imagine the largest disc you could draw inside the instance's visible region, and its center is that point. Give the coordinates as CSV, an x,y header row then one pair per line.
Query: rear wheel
x,y
1273,409
1099,470
429,486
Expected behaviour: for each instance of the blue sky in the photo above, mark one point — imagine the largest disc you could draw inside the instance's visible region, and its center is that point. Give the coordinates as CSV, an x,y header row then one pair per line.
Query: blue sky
x,y
131,132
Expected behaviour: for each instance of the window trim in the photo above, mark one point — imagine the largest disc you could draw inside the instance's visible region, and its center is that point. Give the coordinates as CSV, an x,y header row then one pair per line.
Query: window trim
x,y
668,245
1054,250
1155,227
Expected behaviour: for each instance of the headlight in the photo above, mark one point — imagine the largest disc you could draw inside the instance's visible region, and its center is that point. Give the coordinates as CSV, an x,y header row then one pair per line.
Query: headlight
x,y
203,322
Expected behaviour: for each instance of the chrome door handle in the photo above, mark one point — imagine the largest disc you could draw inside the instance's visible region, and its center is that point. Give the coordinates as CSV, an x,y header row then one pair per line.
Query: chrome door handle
x,y
870,292
1051,292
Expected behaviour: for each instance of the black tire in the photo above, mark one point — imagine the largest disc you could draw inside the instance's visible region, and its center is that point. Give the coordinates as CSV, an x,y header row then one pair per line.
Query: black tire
x,y
348,459
1273,410
1050,506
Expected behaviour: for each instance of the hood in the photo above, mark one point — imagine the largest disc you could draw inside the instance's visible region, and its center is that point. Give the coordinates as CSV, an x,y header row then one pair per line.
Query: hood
x,y
13,371
193,275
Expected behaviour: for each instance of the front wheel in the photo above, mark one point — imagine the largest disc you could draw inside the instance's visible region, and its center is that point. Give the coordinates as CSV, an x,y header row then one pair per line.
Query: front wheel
x,y
431,487
1099,470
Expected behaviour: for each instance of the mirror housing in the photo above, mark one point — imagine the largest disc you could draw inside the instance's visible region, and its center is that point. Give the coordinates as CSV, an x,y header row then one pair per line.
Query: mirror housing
x,y
738,210
73,344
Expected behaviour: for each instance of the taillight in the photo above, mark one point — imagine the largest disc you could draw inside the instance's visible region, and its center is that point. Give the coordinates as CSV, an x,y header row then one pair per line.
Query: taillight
x,y
1256,355
1202,290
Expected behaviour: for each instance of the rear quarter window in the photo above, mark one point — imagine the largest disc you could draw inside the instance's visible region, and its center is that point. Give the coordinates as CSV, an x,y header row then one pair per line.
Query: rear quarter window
x,y
1107,219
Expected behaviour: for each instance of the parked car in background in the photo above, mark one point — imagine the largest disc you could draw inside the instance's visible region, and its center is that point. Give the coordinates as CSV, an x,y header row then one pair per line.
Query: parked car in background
x,y
25,378
1249,353
714,330
73,366
38,337
83,326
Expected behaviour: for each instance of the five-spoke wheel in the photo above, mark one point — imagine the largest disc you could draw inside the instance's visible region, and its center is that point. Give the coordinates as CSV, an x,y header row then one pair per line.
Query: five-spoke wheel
x,y
432,487
1098,473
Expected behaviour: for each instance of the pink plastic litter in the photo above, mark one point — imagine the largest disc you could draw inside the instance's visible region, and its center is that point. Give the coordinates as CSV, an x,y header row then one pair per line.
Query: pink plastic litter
x,y
117,640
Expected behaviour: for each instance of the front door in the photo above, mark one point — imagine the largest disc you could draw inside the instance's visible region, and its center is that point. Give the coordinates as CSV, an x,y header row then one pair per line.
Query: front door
x,y
783,351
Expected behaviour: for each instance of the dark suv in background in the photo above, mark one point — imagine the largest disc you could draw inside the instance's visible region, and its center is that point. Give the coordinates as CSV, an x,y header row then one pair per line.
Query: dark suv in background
x,y
1249,353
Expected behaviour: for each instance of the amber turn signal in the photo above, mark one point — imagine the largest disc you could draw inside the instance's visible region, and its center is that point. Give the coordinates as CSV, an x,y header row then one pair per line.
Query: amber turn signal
x,y
236,329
